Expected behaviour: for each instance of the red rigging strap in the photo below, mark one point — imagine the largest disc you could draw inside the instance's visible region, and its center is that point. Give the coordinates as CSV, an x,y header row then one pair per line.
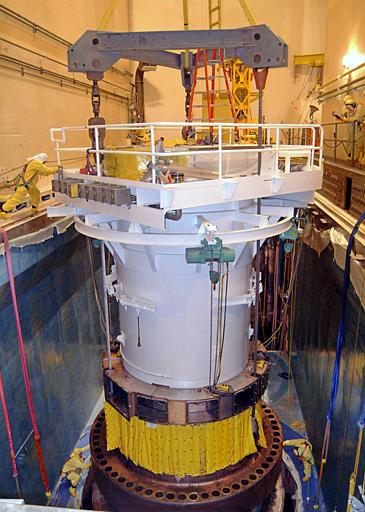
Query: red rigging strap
x,y
190,112
207,84
28,389
212,96
227,85
9,432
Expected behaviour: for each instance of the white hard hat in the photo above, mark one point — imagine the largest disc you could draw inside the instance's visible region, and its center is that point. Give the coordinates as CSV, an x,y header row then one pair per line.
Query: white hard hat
x,y
349,100
42,157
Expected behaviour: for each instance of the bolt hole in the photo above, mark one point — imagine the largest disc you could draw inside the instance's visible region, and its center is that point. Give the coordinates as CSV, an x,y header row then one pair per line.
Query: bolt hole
x,y
139,488
276,446
129,484
273,453
159,494
103,462
215,493
265,465
114,474
193,496
97,450
121,479
252,477
148,492
257,58
269,459
257,36
108,468
100,456
245,482
236,486
182,497
226,490
95,41
204,495
259,471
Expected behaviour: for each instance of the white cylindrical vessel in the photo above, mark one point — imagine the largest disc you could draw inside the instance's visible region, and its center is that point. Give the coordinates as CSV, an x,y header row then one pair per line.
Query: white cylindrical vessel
x,y
171,345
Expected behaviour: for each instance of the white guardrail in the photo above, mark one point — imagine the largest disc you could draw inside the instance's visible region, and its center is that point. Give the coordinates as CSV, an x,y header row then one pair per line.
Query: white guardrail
x,y
272,135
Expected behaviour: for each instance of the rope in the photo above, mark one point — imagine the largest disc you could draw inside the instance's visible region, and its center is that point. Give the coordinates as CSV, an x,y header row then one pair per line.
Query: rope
x,y
9,433
354,473
337,364
26,378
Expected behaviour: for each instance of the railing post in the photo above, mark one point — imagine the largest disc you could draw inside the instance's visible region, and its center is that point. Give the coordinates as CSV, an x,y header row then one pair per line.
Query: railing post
x,y
220,146
335,144
353,143
153,153
97,154
58,154
277,150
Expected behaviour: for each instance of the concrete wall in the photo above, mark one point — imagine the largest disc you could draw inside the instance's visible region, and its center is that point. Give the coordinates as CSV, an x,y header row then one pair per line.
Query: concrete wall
x,y
299,23
63,343
30,106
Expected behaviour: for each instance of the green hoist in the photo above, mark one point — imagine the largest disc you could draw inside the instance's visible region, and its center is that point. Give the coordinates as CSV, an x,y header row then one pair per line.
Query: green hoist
x,y
210,253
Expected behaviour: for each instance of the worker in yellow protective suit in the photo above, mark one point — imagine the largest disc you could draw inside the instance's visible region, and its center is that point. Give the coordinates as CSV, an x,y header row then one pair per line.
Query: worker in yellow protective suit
x,y
353,113
27,184
73,468
303,450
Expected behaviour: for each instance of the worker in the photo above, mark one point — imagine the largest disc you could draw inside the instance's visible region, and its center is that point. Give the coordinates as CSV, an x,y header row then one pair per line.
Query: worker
x,y
353,113
73,468
303,450
27,184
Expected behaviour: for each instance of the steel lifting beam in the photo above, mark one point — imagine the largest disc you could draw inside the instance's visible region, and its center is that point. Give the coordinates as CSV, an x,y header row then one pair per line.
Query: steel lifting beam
x,y
96,51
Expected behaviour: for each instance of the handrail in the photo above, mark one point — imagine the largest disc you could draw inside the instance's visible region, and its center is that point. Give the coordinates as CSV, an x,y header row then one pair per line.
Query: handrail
x,y
306,142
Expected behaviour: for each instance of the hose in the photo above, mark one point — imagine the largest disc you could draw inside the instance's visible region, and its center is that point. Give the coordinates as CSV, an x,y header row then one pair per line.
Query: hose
x,y
26,378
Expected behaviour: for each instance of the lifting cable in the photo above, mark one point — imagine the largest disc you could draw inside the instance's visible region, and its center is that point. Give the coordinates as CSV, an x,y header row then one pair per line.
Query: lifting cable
x,y
337,364
37,438
9,433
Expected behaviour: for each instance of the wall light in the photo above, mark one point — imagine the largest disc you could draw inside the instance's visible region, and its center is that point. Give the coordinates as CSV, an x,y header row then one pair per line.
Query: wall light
x,y
353,59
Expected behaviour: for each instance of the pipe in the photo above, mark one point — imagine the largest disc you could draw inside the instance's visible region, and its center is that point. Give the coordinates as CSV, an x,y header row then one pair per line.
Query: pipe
x,y
173,215
64,79
343,86
60,63
37,28
28,389
343,75
339,93
139,83
106,305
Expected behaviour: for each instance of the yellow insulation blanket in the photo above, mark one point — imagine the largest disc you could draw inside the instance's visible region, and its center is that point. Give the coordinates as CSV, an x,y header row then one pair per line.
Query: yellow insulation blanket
x,y
134,166
183,449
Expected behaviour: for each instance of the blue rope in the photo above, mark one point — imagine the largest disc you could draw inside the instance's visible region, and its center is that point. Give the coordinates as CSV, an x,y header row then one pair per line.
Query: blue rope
x,y
361,421
345,286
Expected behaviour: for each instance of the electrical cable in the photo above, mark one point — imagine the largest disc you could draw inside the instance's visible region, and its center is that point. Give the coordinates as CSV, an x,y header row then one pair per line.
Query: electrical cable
x,y
37,438
337,364
95,288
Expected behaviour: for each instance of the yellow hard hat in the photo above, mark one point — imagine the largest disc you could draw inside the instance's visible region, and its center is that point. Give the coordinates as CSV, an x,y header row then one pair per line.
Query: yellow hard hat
x,y
349,100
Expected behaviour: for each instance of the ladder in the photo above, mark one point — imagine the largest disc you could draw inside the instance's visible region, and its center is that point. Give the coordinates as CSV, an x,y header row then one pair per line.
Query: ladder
x,y
215,14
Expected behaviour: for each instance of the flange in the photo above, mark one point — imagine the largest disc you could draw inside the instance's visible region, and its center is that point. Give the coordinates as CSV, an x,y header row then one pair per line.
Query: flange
x,y
115,483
